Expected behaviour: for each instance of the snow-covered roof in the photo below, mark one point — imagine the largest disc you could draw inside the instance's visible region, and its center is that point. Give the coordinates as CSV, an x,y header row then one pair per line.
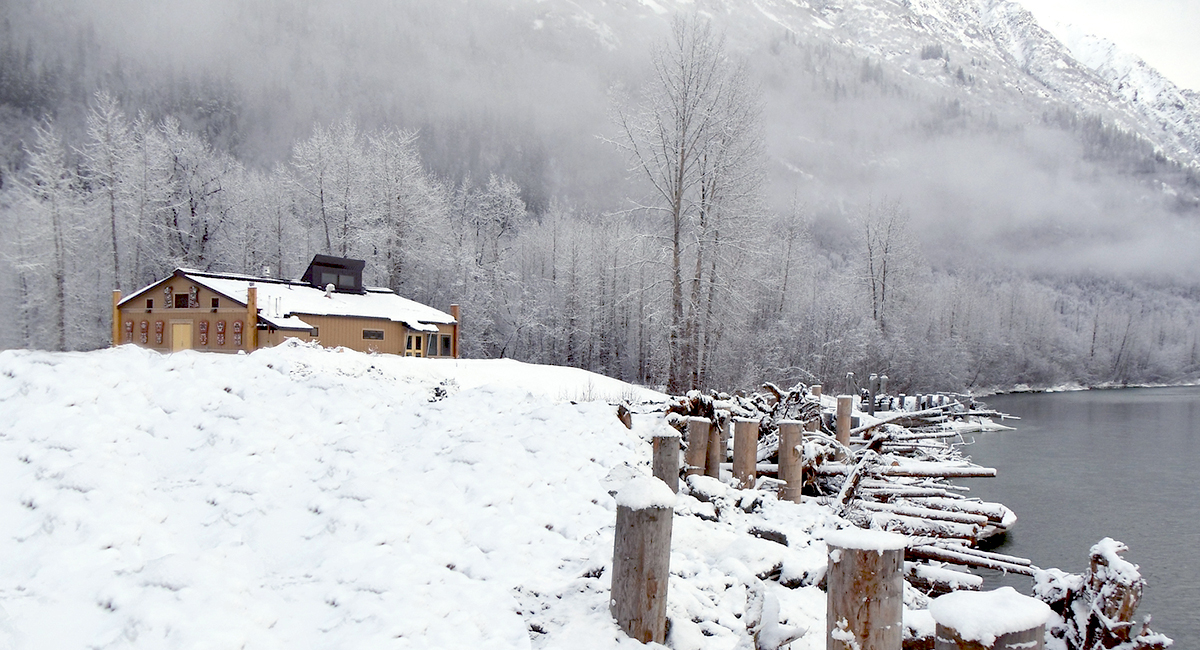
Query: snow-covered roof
x,y
284,303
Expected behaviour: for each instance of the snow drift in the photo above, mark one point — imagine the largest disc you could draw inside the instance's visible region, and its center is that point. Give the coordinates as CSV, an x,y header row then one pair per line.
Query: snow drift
x,y
307,498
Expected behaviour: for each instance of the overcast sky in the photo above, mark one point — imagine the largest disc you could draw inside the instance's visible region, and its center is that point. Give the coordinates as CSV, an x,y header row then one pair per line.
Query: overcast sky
x,y
1165,33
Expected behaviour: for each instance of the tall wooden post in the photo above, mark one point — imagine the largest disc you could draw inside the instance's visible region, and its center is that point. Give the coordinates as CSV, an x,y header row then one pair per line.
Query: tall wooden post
x,y
251,340
989,620
745,451
642,558
116,317
883,379
666,457
697,441
845,403
815,389
872,389
456,313
865,590
791,465
716,451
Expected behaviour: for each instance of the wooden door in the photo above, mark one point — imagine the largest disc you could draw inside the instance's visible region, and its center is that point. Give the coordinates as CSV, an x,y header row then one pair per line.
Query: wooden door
x,y
181,336
412,345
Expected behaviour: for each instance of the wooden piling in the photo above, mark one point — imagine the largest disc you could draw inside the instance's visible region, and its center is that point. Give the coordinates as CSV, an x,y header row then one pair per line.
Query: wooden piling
x,y
666,457
745,451
791,461
815,390
642,558
697,441
844,405
872,390
1001,619
865,585
717,444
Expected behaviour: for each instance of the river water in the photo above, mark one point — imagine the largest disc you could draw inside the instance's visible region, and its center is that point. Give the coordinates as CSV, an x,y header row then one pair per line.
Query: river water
x,y
1086,465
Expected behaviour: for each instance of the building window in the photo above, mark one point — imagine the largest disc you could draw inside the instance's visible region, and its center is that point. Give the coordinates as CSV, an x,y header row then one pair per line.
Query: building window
x,y
446,351
181,301
316,331
433,351
216,302
374,335
150,303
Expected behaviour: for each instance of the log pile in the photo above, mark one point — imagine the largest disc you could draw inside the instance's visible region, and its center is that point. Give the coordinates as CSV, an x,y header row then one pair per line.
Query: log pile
x,y
894,475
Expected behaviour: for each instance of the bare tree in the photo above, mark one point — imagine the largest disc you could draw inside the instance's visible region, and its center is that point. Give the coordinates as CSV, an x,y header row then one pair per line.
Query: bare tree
x,y
691,137
889,256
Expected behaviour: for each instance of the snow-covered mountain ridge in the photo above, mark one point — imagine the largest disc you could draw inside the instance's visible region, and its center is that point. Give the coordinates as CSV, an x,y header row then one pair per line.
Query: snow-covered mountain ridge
x,y
1005,56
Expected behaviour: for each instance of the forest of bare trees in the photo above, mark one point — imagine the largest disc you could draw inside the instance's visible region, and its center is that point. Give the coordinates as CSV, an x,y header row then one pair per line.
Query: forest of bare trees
x,y
693,279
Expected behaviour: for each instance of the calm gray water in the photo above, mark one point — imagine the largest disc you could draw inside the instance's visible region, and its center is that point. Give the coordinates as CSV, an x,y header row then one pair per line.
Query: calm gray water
x,y
1106,463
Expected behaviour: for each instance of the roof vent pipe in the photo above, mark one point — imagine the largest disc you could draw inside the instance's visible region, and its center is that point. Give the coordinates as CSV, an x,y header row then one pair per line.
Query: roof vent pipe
x,y
329,290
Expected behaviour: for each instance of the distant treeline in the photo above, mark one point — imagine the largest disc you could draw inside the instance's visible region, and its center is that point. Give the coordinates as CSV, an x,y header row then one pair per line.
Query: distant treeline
x,y
946,239
133,199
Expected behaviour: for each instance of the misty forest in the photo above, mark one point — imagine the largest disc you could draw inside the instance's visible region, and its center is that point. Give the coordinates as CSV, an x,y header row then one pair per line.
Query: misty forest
x,y
690,199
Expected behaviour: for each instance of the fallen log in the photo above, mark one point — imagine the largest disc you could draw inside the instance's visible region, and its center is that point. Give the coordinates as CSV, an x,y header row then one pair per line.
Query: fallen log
x,y
940,554
915,527
850,485
927,513
946,490
903,416
939,580
916,470
1000,557
993,511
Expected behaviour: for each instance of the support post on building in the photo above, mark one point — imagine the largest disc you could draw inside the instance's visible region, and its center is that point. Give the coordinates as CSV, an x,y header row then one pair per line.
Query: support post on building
x,y
116,317
455,312
251,318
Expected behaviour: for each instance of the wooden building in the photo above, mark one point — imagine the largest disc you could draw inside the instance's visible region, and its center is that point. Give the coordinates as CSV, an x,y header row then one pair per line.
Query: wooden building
x,y
225,312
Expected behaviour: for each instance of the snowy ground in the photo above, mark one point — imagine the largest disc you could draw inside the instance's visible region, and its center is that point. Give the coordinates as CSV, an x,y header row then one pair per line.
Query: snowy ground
x,y
308,498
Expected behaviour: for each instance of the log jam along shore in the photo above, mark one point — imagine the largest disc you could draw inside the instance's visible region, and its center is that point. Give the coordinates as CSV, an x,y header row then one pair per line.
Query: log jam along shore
x,y
886,462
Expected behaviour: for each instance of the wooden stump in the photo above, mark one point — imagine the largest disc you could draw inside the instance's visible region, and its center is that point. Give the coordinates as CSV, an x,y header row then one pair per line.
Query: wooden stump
x,y
865,586
815,390
845,403
697,449
989,620
642,559
745,451
716,452
791,462
666,457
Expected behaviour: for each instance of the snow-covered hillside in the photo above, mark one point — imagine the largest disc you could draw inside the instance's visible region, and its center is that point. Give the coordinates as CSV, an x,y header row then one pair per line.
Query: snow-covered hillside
x,y
307,498
1005,56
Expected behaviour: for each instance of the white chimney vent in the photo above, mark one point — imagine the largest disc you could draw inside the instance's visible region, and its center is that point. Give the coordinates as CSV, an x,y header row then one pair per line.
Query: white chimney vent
x,y
329,290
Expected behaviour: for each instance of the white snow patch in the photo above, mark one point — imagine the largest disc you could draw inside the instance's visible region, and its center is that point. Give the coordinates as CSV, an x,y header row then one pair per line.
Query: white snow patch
x,y
866,540
984,616
646,492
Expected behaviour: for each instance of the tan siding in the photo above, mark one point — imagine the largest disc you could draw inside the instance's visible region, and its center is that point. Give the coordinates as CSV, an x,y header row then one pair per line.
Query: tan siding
x,y
333,331
228,311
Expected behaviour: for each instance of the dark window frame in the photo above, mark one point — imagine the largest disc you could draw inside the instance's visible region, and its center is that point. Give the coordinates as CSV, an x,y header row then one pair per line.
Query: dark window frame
x,y
372,335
